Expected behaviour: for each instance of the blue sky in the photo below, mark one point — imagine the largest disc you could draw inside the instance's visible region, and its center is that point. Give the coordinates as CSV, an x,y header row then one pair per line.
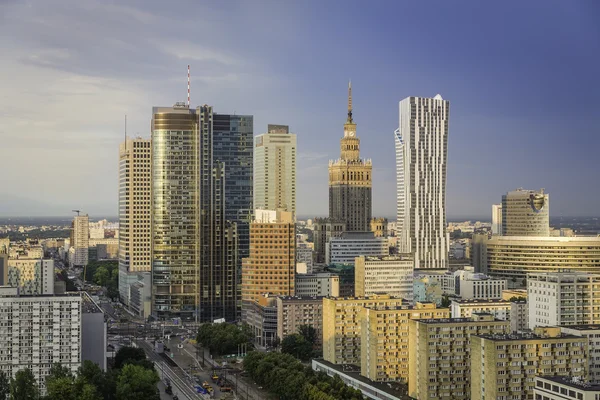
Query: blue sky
x,y
522,79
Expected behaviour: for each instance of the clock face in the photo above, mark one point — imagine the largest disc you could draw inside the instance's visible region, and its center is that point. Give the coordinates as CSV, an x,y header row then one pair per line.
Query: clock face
x,y
350,133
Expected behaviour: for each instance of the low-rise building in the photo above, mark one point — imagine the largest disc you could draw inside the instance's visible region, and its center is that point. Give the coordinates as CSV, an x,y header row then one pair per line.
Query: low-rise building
x,y
564,388
261,316
519,316
391,275
465,308
345,249
293,312
592,334
321,284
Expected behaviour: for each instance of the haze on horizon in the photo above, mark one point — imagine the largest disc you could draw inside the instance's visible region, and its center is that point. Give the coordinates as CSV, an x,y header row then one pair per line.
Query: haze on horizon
x,y
521,77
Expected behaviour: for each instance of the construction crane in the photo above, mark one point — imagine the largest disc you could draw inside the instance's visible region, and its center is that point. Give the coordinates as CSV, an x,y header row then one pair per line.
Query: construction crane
x,y
77,211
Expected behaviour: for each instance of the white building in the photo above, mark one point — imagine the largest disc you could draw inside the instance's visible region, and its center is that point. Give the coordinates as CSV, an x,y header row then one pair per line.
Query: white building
x,y
32,277
519,316
80,240
275,169
563,298
592,332
480,286
526,213
321,284
345,249
496,219
564,388
465,308
421,154
391,275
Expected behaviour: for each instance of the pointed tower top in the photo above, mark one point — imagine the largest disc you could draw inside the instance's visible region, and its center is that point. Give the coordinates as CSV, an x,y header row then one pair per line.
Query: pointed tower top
x,y
349,102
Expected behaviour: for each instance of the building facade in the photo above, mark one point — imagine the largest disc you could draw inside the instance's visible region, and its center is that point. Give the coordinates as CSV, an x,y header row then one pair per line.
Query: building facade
x,y
350,180
421,158
391,275
325,229
427,289
293,312
466,308
564,388
135,212
592,334
345,249
80,237
526,213
519,316
31,277
275,169
321,284
261,316
379,226
497,219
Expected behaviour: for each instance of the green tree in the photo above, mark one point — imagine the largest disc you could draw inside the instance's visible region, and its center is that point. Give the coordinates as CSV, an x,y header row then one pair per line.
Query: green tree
x,y
130,355
137,383
4,386
102,276
308,332
297,346
92,383
518,298
61,388
223,338
446,302
24,386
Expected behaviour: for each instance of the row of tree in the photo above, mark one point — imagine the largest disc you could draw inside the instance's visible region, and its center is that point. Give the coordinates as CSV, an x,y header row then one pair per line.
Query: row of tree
x,y
288,379
302,345
105,274
223,339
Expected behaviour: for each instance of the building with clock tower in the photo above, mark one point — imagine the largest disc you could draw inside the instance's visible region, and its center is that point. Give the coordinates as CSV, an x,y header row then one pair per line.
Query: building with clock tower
x,y
350,180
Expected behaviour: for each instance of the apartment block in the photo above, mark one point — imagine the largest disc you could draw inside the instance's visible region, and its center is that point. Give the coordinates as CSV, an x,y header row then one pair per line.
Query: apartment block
x,y
504,367
31,276
519,315
80,237
563,298
592,334
564,388
391,275
384,343
322,284
293,312
439,354
345,249
465,308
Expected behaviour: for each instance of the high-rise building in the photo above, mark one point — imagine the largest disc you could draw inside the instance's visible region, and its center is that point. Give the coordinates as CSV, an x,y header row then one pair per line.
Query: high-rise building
x,y
421,157
325,229
293,312
80,239
526,213
271,266
496,219
350,180
391,275
434,373
275,169
135,211
32,277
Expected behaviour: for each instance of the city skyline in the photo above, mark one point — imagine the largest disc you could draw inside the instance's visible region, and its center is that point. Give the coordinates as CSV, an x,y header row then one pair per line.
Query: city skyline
x,y
513,101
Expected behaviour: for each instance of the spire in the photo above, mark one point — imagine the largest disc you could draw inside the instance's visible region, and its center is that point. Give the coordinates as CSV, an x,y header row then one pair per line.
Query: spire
x,y
349,120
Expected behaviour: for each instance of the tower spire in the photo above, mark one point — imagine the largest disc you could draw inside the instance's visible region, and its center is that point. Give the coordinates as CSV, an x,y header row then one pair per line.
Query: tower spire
x,y
349,101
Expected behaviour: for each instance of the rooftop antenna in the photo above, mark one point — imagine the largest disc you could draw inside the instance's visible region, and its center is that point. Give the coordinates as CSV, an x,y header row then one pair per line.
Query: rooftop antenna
x,y
188,86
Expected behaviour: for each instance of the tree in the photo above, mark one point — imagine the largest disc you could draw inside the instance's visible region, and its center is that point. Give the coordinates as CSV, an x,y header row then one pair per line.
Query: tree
x,y
4,386
130,355
92,383
223,338
446,302
308,332
102,276
61,388
297,346
518,298
137,383
24,386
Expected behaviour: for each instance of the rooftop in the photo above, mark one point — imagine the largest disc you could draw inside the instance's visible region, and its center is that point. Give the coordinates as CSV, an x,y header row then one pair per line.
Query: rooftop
x,y
589,327
301,298
526,336
572,382
458,320
481,301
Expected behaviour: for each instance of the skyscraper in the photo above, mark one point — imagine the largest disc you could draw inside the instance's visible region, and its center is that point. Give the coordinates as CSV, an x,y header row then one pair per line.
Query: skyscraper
x,y
526,213
421,154
80,239
275,169
496,219
135,163
350,180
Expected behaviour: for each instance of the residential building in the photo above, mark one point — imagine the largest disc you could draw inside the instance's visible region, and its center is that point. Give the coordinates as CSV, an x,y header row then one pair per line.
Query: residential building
x,y
497,219
379,226
135,212
275,169
519,316
345,249
321,284
350,180
293,312
304,255
563,298
439,354
384,339
30,276
564,388
592,334
346,274
505,366
421,159
427,289
526,213
261,316
513,257
80,237
465,308
391,275
4,245
271,266
325,229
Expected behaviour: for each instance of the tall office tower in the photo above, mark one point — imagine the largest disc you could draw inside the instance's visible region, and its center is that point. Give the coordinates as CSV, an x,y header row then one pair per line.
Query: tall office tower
x,y
496,219
271,266
350,180
275,169
135,210
325,229
526,213
421,154
80,240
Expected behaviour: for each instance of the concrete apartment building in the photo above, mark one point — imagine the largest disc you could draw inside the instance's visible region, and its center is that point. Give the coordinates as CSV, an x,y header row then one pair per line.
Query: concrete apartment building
x,y
30,276
135,212
80,241
384,339
497,219
325,229
304,255
323,284
421,158
563,298
466,308
345,248
592,334
504,367
293,312
391,275
439,354
271,266
526,213
564,388
519,316
275,169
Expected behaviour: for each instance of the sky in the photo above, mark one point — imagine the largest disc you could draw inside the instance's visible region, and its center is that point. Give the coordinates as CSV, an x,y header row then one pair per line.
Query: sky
x,y
522,78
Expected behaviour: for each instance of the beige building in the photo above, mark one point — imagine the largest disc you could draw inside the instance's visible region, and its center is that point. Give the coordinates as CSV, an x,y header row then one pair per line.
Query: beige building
x,y
391,275
526,213
496,219
275,169
564,388
466,308
31,277
80,240
439,354
510,293
135,206
379,226
271,266
592,334
519,316
293,312
384,339
505,366
321,284
325,229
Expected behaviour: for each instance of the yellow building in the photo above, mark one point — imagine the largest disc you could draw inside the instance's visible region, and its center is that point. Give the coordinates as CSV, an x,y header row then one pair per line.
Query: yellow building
x,y
342,325
379,227
505,366
384,349
439,354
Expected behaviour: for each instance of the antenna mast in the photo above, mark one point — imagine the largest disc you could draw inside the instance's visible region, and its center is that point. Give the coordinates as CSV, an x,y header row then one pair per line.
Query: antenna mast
x,y
188,86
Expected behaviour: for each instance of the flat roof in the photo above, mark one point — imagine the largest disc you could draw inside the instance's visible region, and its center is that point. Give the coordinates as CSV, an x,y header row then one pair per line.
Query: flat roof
x,y
589,327
456,320
526,336
572,382
481,301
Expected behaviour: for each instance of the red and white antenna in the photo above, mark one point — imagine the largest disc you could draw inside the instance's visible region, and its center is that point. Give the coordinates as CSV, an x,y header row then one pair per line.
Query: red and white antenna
x,y
188,86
